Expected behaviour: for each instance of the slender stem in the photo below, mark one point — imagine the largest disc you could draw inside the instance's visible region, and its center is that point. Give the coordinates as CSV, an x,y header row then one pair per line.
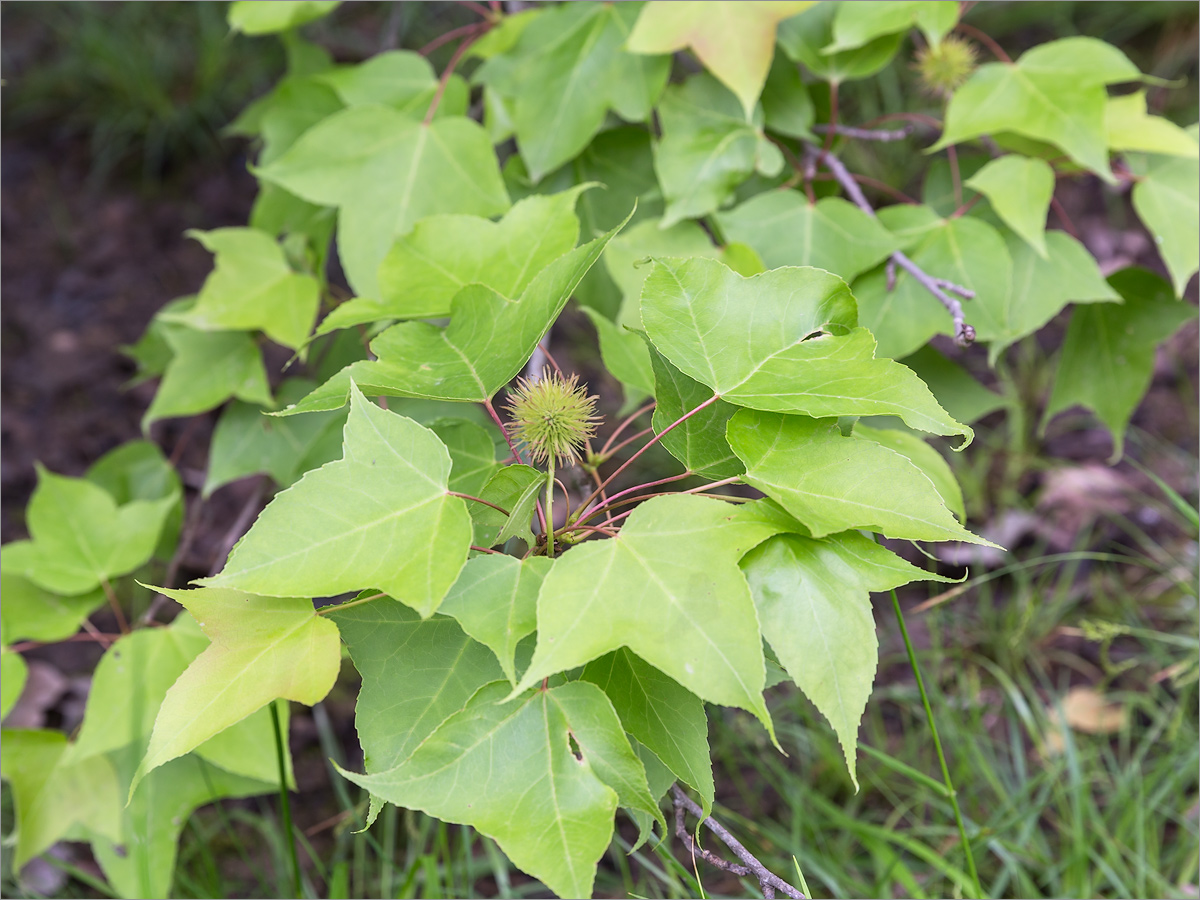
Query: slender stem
x,y
550,507
637,487
701,491
122,622
629,440
937,744
449,36
486,550
285,802
513,447
965,208
499,509
865,134
1061,212
878,185
444,80
629,420
650,443
595,529
918,118
98,637
986,40
955,175
479,8
325,610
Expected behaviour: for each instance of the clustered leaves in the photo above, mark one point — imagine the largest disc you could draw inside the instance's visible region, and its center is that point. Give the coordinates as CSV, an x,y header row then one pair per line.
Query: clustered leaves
x,y
531,697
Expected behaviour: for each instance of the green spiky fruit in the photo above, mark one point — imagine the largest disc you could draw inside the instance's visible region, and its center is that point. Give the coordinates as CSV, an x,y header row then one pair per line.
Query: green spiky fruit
x,y
947,66
553,417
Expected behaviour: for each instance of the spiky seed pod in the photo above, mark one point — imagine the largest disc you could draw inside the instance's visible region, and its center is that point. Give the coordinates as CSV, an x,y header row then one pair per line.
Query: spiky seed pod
x,y
946,67
552,417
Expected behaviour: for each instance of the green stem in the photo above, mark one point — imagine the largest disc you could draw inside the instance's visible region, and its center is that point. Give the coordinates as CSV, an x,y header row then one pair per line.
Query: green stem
x,y
284,802
550,507
937,744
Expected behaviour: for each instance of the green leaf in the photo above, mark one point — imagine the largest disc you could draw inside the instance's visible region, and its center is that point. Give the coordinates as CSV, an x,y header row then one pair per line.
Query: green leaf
x,y
708,148
734,40
667,587
1130,127
1019,189
1053,93
859,23
627,254
262,649
786,230
798,352
401,79
1040,289
955,388
81,538
514,488
129,685
1167,200
207,368
32,613
565,71
13,672
833,483
513,776
416,673
966,251
140,862
699,443
812,599
385,171
246,441
803,38
137,470
53,801
917,451
787,106
379,517
488,341
252,288
625,356
269,16
472,453
1108,356
423,271
662,715
495,601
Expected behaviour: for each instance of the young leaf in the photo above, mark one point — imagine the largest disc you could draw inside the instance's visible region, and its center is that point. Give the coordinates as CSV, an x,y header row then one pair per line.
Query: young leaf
x,y
81,538
565,71
13,673
416,673
252,287
246,441
206,369
512,775
1019,189
495,602
32,613
859,23
262,648
54,801
667,587
804,38
385,171
514,488
783,341
1167,199
267,16
425,268
812,601
735,41
708,148
1054,93
1040,288
833,483
661,714
1130,127
488,341
1108,356
379,517
699,443
832,234
965,250
400,79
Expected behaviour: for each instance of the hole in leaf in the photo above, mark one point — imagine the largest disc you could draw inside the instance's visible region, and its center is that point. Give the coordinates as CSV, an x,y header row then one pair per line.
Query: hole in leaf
x,y
575,751
816,334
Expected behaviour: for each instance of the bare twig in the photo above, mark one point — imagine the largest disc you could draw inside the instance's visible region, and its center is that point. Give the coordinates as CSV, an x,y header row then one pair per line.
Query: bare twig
x,y
964,334
866,134
767,880
238,528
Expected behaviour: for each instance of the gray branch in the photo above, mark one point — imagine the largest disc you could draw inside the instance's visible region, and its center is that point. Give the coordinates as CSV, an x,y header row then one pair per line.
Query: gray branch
x,y
964,334
866,134
767,880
